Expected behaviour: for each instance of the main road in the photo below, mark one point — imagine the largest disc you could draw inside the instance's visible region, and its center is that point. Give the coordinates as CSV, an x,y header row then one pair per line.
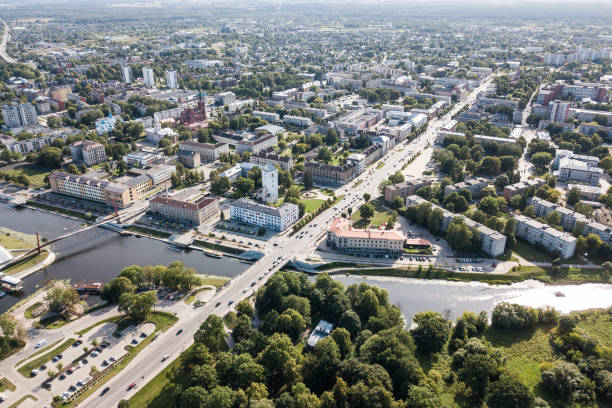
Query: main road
x,y
147,364
5,38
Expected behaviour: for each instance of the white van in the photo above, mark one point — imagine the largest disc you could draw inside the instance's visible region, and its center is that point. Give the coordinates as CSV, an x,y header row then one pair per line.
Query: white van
x,y
40,343
2,397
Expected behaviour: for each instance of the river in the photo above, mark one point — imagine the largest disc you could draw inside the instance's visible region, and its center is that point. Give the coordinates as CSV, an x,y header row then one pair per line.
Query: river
x,y
99,254
452,298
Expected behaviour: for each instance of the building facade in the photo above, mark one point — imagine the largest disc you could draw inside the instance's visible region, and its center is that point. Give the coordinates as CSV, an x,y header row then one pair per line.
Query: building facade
x,y
343,238
535,232
171,79
207,151
88,152
327,174
194,213
148,77
102,191
264,157
274,218
17,115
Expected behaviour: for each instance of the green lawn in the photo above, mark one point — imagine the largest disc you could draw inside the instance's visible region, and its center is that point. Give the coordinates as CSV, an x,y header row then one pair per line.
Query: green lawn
x,y
44,358
29,310
381,214
192,296
6,384
27,263
531,253
34,173
155,393
10,239
216,281
312,204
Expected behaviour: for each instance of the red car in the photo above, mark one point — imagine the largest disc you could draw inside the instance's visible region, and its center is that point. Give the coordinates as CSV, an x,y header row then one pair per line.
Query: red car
x,y
132,385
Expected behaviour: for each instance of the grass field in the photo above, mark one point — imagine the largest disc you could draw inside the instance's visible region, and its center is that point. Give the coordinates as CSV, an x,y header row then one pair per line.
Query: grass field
x,y
216,281
154,394
34,173
29,262
6,385
43,358
533,254
192,296
381,214
10,239
29,310
312,204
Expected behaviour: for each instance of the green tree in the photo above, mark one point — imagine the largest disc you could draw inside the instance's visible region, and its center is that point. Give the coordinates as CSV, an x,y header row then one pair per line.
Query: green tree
x,y
366,197
116,287
573,196
220,185
366,211
212,334
541,160
431,333
489,206
244,186
308,180
509,392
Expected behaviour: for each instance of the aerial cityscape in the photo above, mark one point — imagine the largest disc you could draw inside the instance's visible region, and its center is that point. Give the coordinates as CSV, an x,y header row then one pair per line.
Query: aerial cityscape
x,y
295,204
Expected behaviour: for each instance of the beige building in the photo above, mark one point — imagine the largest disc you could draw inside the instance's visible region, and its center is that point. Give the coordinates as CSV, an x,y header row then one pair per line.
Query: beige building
x,y
87,188
343,238
195,213
207,151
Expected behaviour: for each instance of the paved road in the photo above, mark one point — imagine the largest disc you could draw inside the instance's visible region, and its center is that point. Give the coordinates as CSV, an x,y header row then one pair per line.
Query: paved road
x,y
5,38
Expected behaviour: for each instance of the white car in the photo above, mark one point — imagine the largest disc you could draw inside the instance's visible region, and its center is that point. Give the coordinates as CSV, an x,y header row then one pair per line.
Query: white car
x,y
40,343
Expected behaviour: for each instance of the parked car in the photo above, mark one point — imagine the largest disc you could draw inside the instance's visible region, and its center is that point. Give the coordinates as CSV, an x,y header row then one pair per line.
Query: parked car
x,y
40,343
33,373
165,357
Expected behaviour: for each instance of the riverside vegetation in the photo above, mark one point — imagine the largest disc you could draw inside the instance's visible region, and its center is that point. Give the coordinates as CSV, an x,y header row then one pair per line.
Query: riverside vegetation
x,y
526,357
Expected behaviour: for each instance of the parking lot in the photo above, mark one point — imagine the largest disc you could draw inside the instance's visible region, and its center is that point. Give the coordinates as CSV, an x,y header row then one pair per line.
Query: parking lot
x,y
79,366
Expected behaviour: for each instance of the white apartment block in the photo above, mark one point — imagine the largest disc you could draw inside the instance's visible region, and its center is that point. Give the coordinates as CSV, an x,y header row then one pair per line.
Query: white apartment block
x,y
535,232
225,98
493,242
297,121
592,161
126,74
269,183
570,218
171,79
277,219
578,171
148,77
269,116
207,151
16,115
34,144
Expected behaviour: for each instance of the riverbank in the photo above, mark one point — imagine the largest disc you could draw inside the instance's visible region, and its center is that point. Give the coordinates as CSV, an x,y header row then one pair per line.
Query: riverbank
x,y
31,264
547,275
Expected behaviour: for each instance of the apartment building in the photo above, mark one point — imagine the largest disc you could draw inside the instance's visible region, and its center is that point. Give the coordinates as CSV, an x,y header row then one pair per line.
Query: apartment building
x,y
264,157
358,120
139,185
520,187
126,74
207,151
343,238
31,145
141,159
148,76
578,171
327,174
18,115
590,193
274,218
405,189
194,213
547,237
299,121
592,161
493,242
559,111
569,219
257,145
225,98
171,79
101,191
269,116
474,186
88,152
